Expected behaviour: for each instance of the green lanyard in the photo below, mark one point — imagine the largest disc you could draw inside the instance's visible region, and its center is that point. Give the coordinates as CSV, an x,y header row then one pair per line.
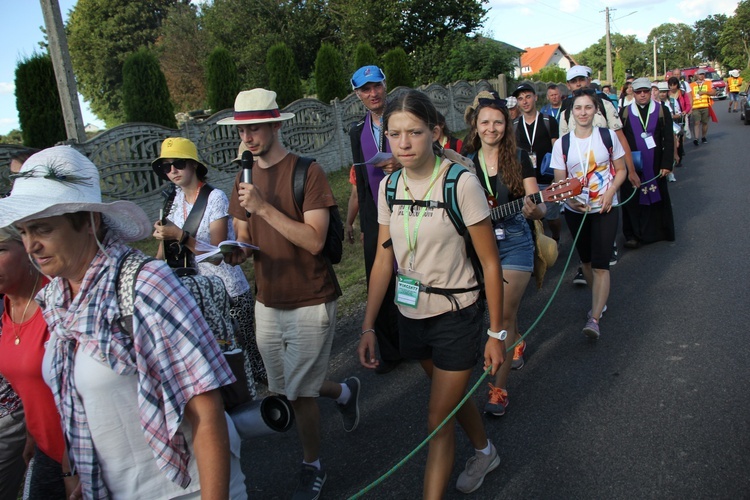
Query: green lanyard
x,y
484,171
412,245
648,116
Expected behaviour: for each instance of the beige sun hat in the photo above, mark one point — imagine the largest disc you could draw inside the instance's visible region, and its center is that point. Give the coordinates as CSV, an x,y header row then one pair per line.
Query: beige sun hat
x,y
256,106
60,180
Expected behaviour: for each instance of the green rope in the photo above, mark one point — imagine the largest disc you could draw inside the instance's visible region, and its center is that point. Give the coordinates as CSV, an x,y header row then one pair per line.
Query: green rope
x,y
474,388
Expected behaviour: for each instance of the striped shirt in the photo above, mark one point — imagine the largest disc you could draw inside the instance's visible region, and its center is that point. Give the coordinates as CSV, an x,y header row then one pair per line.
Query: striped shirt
x,y
171,350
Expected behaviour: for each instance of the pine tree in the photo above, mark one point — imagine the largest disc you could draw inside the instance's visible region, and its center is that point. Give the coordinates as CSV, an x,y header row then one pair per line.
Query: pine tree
x,y
38,102
222,82
329,74
396,67
283,75
145,96
365,55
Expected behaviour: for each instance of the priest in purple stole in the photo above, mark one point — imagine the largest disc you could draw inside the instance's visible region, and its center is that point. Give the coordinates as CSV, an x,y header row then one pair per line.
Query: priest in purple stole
x,y
367,140
647,124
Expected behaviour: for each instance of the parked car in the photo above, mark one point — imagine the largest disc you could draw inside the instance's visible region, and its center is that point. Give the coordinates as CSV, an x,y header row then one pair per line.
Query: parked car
x,y
744,108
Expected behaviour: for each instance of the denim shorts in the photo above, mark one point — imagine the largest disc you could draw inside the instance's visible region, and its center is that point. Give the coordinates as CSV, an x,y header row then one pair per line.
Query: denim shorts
x,y
517,249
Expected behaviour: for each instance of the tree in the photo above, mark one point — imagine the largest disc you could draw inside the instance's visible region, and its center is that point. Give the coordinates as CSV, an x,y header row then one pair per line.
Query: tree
x,y
329,74
101,34
247,29
182,34
636,55
675,46
554,74
283,75
365,55
618,74
396,68
475,59
735,38
707,33
403,23
222,80
145,96
38,102
15,136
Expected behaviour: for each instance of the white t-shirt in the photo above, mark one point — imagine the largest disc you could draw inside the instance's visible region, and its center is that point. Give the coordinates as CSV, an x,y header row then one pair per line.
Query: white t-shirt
x,y
440,258
598,174
217,207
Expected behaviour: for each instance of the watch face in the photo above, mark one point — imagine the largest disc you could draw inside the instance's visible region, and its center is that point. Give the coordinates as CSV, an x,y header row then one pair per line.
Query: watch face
x,y
503,334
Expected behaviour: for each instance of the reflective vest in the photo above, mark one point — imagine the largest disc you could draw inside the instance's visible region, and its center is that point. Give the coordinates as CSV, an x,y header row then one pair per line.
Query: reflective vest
x,y
702,101
734,83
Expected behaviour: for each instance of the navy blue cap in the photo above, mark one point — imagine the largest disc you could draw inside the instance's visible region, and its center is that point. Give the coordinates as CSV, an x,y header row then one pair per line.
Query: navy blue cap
x,y
366,74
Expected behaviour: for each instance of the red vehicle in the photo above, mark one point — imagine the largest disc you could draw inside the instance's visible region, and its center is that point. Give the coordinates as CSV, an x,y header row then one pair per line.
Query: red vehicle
x,y
718,83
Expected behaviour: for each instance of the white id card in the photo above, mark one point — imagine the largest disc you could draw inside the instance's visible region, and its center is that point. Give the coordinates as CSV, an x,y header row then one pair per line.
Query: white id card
x,y
650,144
533,159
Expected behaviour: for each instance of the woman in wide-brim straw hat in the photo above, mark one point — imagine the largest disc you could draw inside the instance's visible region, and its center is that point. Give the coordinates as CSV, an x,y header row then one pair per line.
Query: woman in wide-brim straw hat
x,y
140,411
179,164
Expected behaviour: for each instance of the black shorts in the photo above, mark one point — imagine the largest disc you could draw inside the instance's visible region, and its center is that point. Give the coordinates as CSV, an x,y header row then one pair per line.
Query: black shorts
x,y
451,340
597,237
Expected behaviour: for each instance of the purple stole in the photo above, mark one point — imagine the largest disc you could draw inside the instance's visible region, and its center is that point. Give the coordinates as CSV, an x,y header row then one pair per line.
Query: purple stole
x,y
649,192
369,149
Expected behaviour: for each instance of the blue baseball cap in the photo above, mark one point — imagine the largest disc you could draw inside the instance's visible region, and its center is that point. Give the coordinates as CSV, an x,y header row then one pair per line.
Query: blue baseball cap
x,y
366,74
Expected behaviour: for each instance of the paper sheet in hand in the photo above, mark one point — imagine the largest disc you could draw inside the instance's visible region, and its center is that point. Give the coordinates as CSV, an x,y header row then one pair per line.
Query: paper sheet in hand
x,y
380,157
214,254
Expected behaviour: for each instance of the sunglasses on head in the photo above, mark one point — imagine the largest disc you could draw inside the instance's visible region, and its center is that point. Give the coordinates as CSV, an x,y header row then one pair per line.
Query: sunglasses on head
x,y
166,166
642,91
494,101
581,92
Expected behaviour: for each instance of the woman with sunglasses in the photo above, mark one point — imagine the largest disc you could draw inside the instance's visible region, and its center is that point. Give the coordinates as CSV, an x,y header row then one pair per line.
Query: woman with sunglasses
x,y
179,164
507,174
601,174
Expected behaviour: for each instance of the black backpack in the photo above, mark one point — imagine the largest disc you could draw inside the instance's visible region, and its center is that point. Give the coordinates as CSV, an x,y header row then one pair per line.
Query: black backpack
x,y
333,248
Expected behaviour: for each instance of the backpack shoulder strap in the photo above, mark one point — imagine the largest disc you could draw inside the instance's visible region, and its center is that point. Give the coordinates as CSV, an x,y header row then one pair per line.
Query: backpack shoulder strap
x,y
565,147
390,188
450,196
125,278
546,124
299,178
199,208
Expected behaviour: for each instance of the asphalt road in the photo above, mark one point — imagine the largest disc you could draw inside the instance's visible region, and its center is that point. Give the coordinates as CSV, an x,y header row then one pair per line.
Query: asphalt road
x,y
657,408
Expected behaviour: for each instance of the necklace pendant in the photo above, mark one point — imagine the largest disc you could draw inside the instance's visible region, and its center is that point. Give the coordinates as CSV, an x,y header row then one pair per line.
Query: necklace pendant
x,y
17,341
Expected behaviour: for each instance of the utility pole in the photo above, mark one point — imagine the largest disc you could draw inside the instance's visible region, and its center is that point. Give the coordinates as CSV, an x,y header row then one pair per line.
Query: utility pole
x,y
655,65
66,83
609,47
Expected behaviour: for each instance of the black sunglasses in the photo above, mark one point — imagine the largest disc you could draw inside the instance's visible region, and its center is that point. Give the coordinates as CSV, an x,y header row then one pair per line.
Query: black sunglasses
x,y
166,166
642,91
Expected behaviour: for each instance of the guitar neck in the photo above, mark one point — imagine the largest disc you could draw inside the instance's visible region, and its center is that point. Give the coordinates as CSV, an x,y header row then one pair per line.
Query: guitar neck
x,y
512,208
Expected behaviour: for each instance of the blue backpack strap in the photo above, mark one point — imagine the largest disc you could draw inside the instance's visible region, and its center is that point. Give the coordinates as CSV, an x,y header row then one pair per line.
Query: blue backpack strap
x,y
390,188
450,196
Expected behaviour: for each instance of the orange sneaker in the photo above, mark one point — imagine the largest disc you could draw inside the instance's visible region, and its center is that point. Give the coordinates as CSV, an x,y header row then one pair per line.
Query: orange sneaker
x,y
518,351
498,400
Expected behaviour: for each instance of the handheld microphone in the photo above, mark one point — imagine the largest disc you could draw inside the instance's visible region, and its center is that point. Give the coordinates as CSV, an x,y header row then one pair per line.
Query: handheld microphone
x,y
247,170
247,167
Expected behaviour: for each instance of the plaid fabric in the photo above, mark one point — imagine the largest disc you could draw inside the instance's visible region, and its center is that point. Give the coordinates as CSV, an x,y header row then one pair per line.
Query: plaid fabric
x,y
171,350
9,401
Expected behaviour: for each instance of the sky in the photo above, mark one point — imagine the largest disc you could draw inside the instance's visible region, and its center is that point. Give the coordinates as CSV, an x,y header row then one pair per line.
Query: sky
x,y
575,24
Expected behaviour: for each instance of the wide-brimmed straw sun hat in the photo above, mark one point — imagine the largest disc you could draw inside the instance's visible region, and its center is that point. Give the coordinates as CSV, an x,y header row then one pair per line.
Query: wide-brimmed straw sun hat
x,y
60,180
181,149
256,106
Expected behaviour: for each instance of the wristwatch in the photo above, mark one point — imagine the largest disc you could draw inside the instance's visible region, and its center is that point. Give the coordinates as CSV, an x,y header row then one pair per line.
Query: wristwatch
x,y
501,335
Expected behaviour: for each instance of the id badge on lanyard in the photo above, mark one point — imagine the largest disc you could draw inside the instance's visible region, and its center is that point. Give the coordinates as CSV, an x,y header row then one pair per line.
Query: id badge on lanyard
x,y
407,289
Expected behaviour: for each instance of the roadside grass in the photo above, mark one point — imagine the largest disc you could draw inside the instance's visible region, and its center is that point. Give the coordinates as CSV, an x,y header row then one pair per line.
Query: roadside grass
x,y
350,271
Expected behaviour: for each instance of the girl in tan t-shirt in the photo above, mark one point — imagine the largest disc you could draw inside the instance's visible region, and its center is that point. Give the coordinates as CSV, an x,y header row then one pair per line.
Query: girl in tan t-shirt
x,y
444,335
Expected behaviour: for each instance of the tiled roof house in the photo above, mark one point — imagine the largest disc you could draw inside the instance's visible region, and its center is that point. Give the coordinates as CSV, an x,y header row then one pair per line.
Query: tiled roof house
x,y
549,54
